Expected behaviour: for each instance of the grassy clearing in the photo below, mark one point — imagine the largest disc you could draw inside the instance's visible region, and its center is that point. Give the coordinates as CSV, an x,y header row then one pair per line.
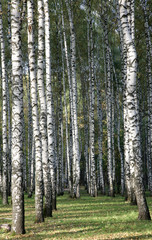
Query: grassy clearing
x,y
84,218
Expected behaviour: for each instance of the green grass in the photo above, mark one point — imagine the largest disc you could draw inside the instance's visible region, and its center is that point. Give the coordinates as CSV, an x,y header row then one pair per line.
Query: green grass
x,y
85,218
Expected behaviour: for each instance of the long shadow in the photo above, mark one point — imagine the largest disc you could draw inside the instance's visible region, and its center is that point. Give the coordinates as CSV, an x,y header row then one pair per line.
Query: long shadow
x,y
143,237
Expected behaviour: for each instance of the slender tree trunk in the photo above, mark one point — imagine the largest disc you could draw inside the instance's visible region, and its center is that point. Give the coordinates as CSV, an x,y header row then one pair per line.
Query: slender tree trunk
x,y
93,187
32,184
113,131
4,114
66,124
8,102
123,52
149,98
133,115
100,161
76,160
35,120
43,106
118,136
24,155
71,103
49,98
108,109
30,136
17,122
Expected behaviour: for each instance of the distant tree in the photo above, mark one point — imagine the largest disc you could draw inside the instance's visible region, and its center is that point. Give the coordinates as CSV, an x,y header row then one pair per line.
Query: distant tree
x,y
92,166
75,137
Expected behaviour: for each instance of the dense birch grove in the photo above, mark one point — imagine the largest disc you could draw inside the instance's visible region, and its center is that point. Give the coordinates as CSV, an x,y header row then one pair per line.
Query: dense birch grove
x,y
76,102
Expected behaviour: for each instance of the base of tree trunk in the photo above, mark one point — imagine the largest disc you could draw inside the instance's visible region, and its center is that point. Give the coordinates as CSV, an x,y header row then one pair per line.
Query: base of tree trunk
x,y
133,200
54,204
5,202
39,220
47,212
144,216
29,195
19,230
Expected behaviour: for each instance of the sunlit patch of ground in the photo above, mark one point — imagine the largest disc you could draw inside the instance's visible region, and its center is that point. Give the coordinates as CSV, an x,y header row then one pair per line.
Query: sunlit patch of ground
x,y
85,218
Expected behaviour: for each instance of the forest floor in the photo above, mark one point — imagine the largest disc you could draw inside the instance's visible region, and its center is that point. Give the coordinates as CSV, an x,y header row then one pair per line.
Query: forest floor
x,y
84,218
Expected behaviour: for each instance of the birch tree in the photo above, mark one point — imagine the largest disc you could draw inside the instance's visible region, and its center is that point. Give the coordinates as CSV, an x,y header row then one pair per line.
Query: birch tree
x,y
30,137
133,115
70,101
149,91
93,187
100,160
50,106
123,53
43,110
4,114
75,137
17,122
8,100
60,190
108,108
35,119
66,120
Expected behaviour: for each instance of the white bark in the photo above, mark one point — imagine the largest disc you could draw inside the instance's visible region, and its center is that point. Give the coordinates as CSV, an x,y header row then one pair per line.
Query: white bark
x,y
125,111
69,158
8,101
35,121
66,124
4,113
24,155
43,106
17,123
93,186
100,161
149,97
30,135
49,98
133,114
76,160
108,109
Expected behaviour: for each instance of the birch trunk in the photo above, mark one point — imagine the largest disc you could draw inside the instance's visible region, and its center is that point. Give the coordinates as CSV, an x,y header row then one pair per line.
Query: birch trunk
x,y
118,136
93,186
84,88
60,190
71,104
60,139
66,124
43,108
113,128
123,52
30,137
17,122
24,155
50,106
133,115
108,110
149,100
35,120
100,162
32,183
76,160
4,114
8,102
